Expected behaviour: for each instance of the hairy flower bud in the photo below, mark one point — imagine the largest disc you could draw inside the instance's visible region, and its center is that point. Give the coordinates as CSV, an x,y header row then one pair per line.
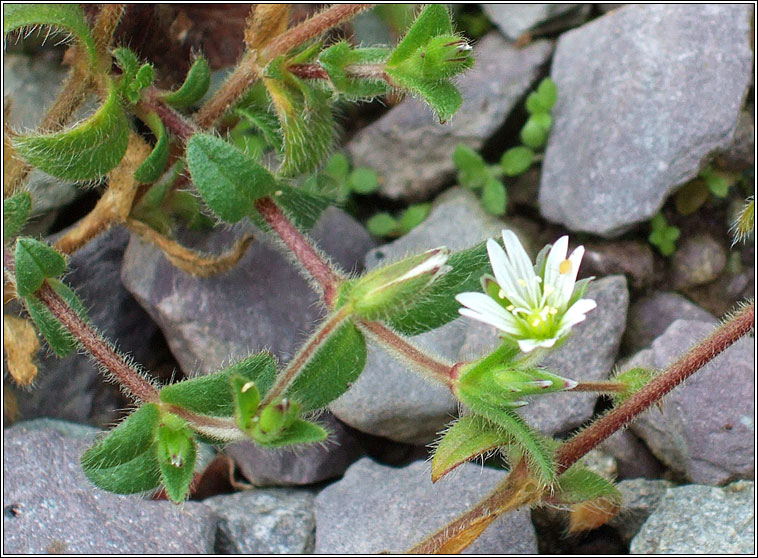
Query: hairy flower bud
x,y
274,420
174,440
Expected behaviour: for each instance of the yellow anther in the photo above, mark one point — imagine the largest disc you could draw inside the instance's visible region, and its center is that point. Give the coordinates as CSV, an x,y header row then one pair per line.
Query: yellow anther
x,y
501,294
510,308
522,282
536,322
564,267
553,310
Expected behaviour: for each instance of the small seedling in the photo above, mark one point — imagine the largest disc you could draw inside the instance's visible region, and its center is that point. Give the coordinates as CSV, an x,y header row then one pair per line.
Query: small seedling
x,y
384,224
663,236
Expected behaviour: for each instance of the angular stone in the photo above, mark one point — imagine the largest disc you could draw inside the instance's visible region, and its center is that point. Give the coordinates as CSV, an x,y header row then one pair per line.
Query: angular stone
x,y
262,302
302,464
589,355
652,91
273,521
701,520
706,430
650,315
388,399
49,506
633,458
631,258
698,260
514,20
413,153
640,498
376,508
72,388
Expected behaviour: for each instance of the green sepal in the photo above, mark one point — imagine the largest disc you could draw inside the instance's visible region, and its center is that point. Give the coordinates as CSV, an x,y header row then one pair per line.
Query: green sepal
x,y
516,160
469,437
65,16
634,379
274,420
212,394
246,401
433,20
336,58
438,305
176,451
86,151
299,432
579,484
58,338
494,197
154,164
124,461
36,261
16,211
194,88
331,370
228,180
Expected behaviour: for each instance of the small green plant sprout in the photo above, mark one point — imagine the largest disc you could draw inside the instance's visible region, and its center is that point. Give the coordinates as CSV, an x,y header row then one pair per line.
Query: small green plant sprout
x,y
662,235
539,105
384,224
475,174
338,181
710,182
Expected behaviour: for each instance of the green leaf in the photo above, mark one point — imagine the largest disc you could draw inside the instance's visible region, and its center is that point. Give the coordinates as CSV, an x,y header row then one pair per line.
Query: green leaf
x,y
544,120
299,432
547,92
35,262
266,123
16,211
57,336
413,216
228,180
301,207
516,160
68,17
176,452
154,164
85,152
438,305
212,394
494,197
718,183
469,437
247,398
177,480
363,181
382,224
195,86
124,461
534,134
128,61
433,20
634,379
593,499
442,96
472,170
338,167
331,370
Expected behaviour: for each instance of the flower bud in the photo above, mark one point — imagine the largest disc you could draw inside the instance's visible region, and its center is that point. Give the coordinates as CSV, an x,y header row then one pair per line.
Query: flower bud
x,y
394,287
274,420
445,56
246,400
532,381
174,440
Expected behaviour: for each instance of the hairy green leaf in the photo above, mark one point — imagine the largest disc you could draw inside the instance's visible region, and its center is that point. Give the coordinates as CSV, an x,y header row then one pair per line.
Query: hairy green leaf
x,y
86,151
124,461
469,437
593,499
154,164
176,452
301,207
212,394
433,20
177,479
68,17
228,180
266,123
57,336
332,370
16,211
338,58
516,160
195,86
442,96
35,262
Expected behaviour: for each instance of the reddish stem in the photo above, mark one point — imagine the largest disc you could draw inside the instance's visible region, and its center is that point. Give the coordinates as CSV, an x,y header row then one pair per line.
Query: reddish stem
x,y
172,120
308,71
601,387
303,249
697,357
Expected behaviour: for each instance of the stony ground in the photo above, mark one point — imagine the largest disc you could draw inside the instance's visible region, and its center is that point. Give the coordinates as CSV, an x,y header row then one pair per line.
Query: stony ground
x,y
648,95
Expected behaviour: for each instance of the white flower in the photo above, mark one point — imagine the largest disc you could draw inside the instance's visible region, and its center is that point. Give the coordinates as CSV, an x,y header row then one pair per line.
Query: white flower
x,y
535,306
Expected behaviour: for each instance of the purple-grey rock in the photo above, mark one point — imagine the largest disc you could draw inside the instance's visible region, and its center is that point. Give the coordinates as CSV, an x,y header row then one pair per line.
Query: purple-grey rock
x,y
640,498
588,355
300,465
698,259
632,258
514,20
646,94
740,155
413,152
633,458
50,507
650,315
272,521
376,508
71,388
701,520
706,430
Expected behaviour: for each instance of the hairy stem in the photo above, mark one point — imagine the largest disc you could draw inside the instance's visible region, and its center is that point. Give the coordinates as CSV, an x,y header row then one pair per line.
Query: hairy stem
x,y
237,83
172,120
601,387
311,28
302,248
305,354
692,361
357,71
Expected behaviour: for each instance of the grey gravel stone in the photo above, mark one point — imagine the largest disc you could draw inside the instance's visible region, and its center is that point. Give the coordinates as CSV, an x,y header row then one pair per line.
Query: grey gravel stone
x,y
272,521
652,91
701,520
632,258
741,154
698,259
389,400
413,153
514,20
300,465
633,458
72,388
588,355
50,507
706,430
650,315
640,498
376,508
